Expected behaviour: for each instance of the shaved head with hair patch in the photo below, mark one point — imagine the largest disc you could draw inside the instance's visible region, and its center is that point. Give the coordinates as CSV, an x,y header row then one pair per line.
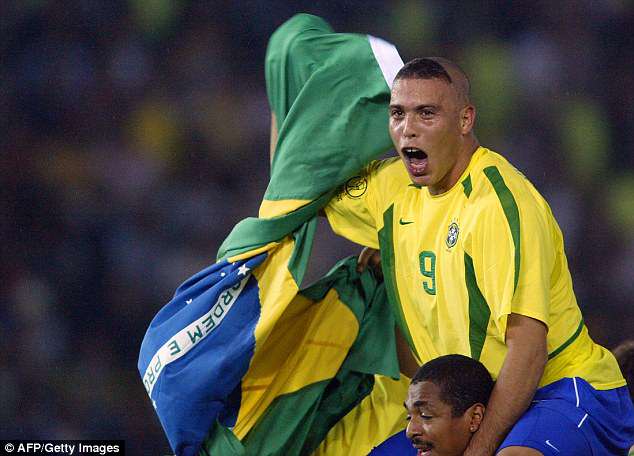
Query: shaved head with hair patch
x,y
458,78
441,68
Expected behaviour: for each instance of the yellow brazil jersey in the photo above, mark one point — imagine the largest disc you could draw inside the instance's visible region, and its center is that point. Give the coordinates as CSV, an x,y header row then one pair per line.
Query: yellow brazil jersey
x,y
457,264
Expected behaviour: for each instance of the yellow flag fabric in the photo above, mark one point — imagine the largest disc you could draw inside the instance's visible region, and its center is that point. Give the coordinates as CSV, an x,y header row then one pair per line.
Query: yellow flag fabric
x,y
322,375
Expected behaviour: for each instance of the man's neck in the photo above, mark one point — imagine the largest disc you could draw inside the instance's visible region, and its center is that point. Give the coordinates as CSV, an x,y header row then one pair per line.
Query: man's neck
x,y
451,179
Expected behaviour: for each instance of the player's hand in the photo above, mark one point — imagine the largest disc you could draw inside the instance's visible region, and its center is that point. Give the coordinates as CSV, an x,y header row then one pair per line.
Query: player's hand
x,y
372,258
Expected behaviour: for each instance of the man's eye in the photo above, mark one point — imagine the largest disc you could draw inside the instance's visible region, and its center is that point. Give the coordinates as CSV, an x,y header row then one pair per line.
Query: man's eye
x,y
397,113
427,113
426,417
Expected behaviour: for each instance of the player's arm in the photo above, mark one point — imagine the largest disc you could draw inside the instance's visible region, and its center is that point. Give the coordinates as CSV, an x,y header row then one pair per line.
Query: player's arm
x,y
516,383
513,258
353,212
370,257
406,361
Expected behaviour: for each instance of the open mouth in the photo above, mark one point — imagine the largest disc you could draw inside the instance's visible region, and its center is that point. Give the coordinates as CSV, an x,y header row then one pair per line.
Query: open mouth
x,y
424,450
424,447
415,159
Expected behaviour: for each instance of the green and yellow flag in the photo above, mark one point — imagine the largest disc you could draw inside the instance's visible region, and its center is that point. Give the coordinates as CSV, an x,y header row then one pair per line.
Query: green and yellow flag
x,y
243,360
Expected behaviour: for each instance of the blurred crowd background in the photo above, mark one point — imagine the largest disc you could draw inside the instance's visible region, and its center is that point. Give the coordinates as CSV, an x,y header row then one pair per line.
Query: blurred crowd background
x,y
135,135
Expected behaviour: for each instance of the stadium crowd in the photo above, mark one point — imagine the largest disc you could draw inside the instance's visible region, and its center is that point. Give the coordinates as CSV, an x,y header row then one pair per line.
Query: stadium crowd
x,y
136,136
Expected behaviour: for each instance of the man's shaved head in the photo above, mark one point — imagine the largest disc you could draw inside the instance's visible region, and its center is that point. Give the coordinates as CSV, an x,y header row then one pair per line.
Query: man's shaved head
x,y
440,68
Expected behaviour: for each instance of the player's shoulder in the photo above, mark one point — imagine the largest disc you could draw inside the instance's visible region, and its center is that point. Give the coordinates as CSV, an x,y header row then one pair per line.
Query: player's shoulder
x,y
376,182
387,168
494,174
495,181
385,174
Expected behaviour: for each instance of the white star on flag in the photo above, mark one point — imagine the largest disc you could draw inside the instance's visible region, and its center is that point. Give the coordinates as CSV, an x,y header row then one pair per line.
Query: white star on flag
x,y
242,270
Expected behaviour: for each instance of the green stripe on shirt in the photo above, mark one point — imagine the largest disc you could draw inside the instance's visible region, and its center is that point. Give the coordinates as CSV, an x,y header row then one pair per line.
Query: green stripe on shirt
x,y
479,311
386,243
511,212
570,340
466,185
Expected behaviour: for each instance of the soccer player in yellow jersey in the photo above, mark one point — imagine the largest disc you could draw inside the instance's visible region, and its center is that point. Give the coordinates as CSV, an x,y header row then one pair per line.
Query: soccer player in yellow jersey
x,y
474,264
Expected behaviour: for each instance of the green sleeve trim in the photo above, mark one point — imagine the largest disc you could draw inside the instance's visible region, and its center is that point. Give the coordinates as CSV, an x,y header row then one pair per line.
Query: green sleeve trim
x,y
466,185
511,212
479,311
563,346
386,244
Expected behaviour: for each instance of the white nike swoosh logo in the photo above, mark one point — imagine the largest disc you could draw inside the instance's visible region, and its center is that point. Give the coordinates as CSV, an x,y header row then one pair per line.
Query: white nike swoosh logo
x,y
552,446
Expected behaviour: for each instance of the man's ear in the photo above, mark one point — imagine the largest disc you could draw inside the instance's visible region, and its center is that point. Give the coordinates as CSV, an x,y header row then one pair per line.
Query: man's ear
x,y
467,119
476,414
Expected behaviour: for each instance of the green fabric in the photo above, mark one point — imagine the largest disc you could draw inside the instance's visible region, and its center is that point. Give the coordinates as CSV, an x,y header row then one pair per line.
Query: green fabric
x,y
466,185
479,311
302,419
252,232
337,134
224,442
285,79
386,244
303,237
322,141
511,212
330,100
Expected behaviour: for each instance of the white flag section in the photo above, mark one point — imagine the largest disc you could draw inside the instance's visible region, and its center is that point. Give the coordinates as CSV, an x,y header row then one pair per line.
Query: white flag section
x,y
388,58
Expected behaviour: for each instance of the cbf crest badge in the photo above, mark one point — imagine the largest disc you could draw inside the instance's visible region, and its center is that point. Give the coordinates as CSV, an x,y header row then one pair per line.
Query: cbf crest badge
x,y
452,235
356,186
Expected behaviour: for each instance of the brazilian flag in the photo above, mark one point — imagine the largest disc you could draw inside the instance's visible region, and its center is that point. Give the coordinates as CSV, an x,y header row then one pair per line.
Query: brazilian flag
x,y
244,360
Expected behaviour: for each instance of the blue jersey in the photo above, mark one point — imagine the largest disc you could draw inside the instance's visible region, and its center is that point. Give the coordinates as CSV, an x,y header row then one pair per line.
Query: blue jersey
x,y
569,417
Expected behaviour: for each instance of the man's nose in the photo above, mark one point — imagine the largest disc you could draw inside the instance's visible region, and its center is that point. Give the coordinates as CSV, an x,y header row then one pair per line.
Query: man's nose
x,y
409,127
414,429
